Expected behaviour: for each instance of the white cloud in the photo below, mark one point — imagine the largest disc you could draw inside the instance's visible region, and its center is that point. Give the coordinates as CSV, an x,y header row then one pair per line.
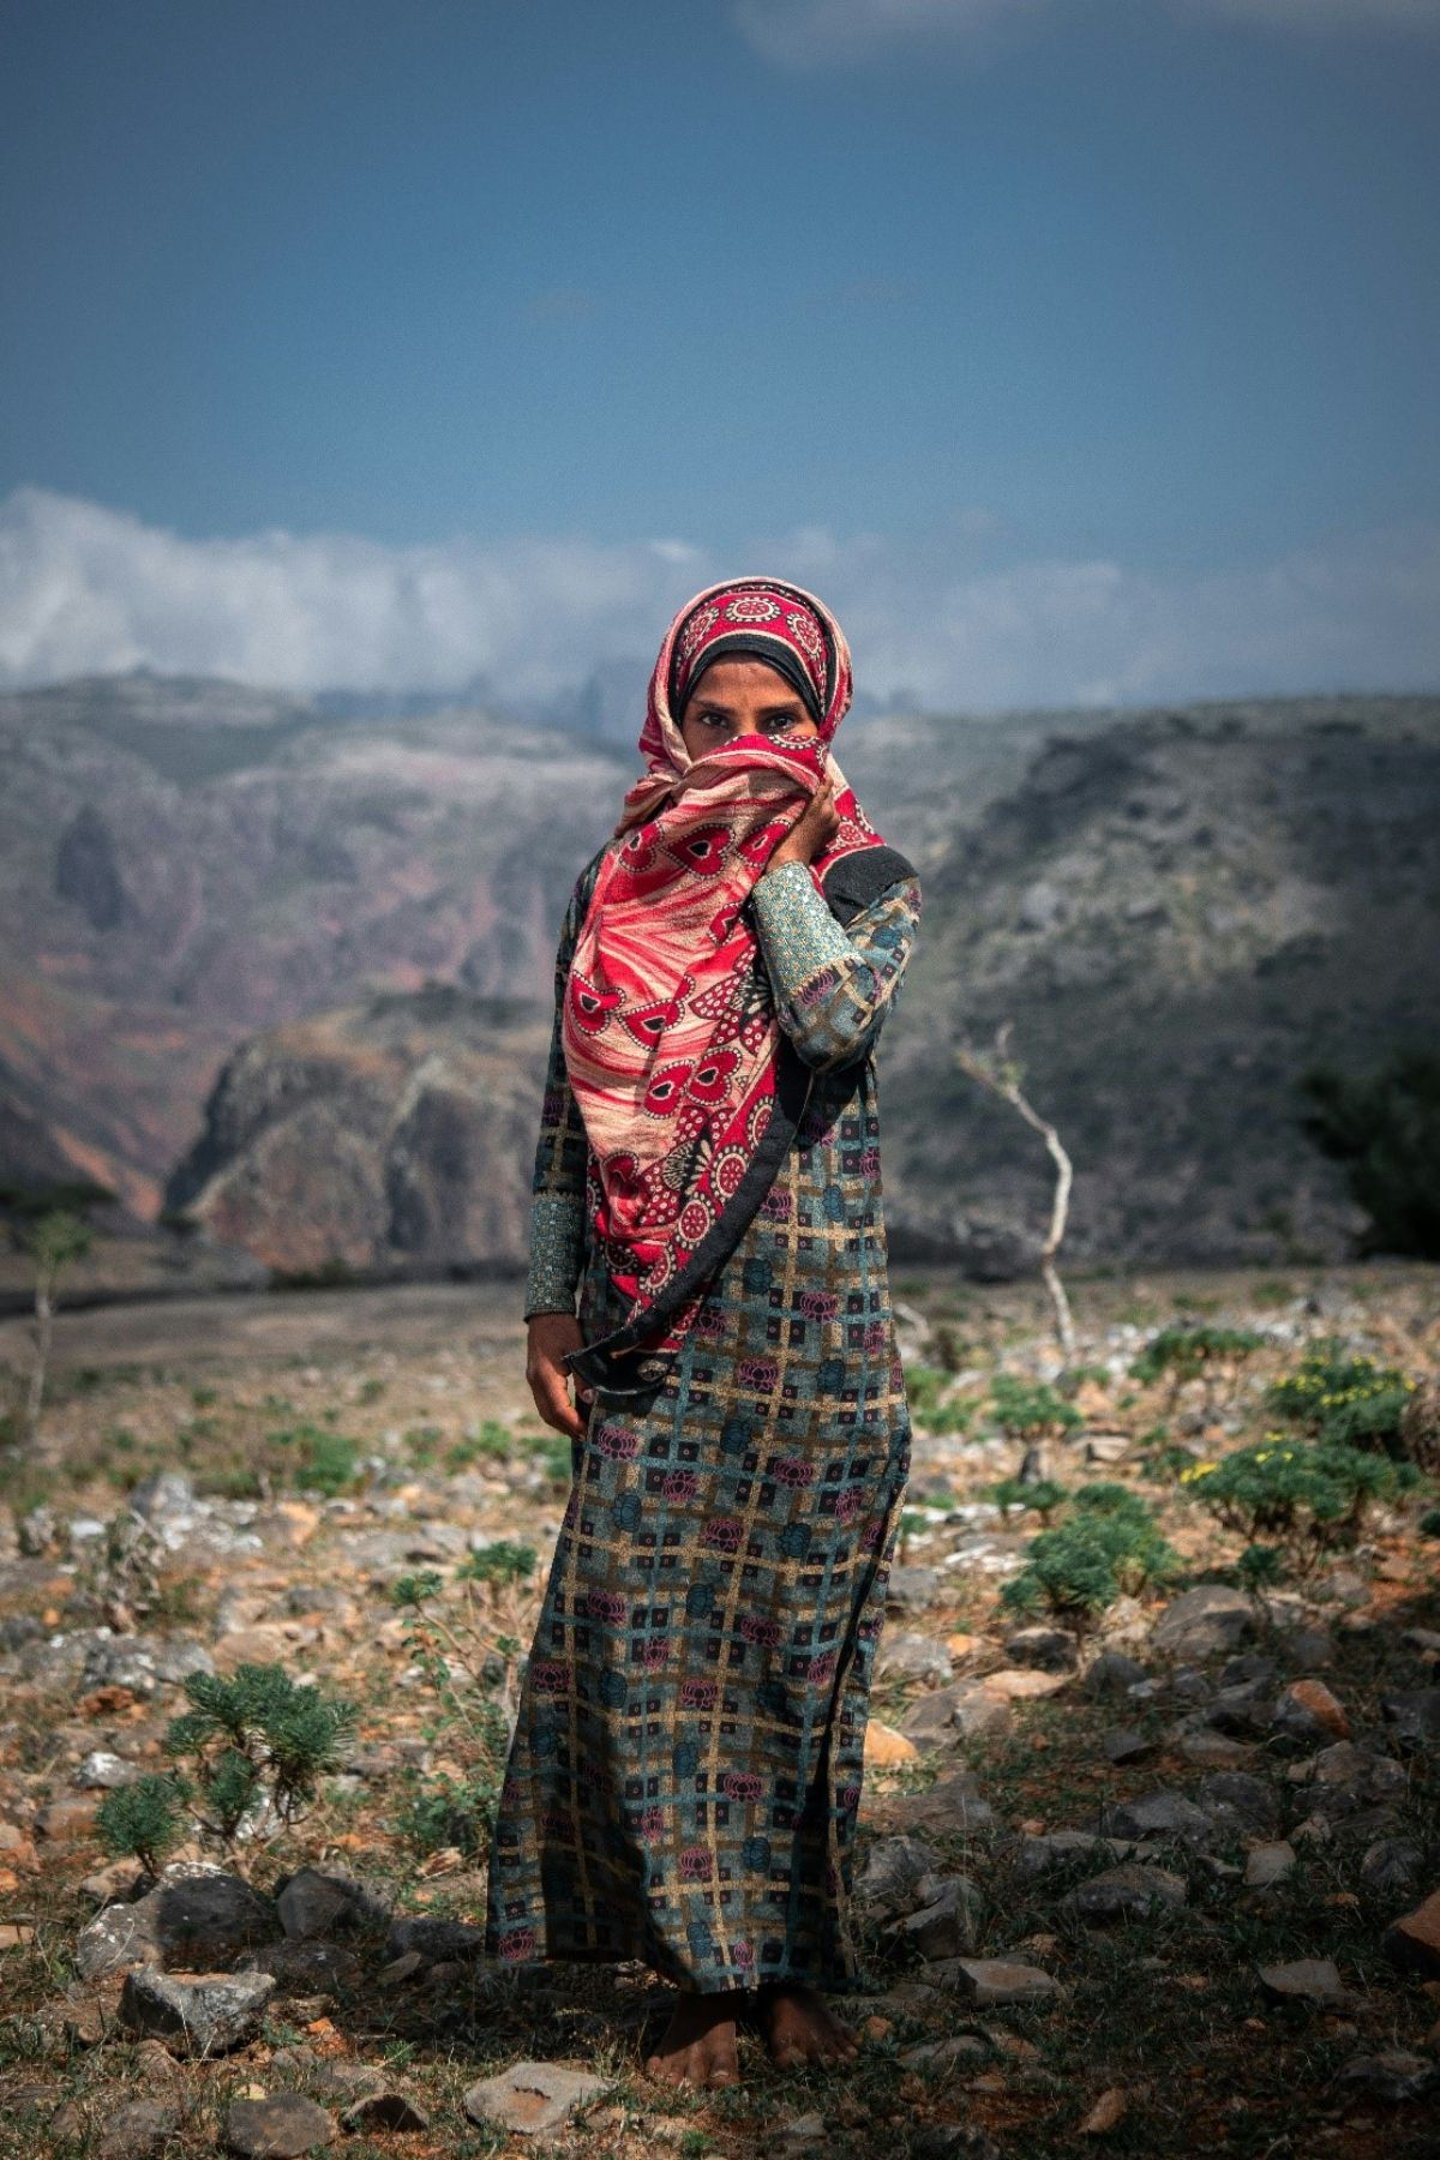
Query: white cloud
x,y
817,33
825,33
84,589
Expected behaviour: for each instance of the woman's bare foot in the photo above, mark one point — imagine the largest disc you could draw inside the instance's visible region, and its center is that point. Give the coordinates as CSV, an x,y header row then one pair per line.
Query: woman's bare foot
x,y
698,2046
799,2029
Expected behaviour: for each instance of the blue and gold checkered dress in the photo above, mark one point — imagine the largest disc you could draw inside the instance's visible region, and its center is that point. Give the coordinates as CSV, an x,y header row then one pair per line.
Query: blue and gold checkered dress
x,y
685,1774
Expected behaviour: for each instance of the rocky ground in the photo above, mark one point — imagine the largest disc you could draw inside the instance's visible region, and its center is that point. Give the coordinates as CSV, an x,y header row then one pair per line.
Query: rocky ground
x,y
1167,1885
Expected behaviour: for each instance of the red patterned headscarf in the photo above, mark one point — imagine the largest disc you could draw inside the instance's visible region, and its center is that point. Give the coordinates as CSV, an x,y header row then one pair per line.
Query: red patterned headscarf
x,y
689,1091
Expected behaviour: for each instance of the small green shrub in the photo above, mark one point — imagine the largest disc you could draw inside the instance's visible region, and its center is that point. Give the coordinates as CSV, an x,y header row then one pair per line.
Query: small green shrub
x,y
1430,1523
1107,1498
1349,1400
257,1734
1306,1496
1184,1352
489,1441
1260,1567
1385,1128
1030,1410
498,1564
143,1821
325,1462
926,1390
1043,1496
1079,1568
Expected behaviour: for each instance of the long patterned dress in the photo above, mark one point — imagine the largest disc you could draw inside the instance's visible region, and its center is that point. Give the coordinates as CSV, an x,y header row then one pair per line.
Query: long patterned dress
x,y
685,1775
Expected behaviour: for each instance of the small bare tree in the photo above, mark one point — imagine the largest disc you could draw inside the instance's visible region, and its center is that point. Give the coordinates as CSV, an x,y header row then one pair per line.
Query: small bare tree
x,y
1000,1074
54,1241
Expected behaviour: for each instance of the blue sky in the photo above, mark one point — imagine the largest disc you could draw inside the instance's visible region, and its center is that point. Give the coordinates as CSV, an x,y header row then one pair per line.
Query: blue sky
x,y
1086,348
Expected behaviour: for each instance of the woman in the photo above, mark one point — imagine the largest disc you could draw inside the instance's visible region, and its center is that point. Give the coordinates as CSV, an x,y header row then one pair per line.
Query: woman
x,y
685,1775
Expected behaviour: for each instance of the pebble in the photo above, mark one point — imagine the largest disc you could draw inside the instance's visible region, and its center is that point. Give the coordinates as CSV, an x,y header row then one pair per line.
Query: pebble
x,y
1159,1815
1307,1710
1315,1980
385,2111
1267,1865
1112,1673
1396,2075
136,2128
1392,1865
1047,1648
910,1656
1123,1744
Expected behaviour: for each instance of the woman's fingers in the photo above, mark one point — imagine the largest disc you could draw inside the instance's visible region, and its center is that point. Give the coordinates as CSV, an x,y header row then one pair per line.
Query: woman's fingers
x,y
552,1399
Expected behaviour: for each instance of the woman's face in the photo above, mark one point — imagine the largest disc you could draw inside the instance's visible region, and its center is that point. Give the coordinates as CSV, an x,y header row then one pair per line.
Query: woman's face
x,y
742,697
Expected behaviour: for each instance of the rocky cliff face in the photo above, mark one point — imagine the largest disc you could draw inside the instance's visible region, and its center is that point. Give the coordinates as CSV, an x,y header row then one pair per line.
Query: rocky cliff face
x,y
1179,915
1179,912
395,1135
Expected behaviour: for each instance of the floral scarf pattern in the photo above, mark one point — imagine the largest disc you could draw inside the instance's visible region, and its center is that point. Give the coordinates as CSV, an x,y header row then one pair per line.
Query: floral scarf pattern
x,y
688,1090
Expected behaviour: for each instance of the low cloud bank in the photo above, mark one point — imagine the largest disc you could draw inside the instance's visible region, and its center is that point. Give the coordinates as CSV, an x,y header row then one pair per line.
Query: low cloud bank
x,y
87,590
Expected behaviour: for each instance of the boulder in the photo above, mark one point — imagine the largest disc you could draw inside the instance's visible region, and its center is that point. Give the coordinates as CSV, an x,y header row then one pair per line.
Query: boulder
x,y
532,2098
196,1919
207,2013
1204,1621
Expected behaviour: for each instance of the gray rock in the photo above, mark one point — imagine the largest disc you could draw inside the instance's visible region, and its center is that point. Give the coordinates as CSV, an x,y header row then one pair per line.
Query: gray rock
x,y
1159,1815
1392,1866
965,2047
165,1494
1127,1892
1205,1749
308,1967
1122,1744
896,1877
908,1656
1414,1719
1057,1848
385,2111
1342,1586
1310,1649
1236,1801
1251,1666
952,1806
988,1982
1396,2075
1314,1980
120,1661
532,2098
434,1939
314,1904
1267,1865
1204,1621
279,2128
949,1714
1245,1712
1112,1673
1047,1649
210,2013
137,2128
100,1771
193,1922
948,1926
912,1589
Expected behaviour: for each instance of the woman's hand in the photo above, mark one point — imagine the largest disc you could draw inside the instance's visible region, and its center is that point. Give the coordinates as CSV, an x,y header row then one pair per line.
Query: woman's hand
x,y
550,1336
812,831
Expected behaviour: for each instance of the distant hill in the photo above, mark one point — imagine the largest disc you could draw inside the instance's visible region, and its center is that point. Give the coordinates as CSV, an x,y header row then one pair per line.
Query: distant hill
x,y
1179,909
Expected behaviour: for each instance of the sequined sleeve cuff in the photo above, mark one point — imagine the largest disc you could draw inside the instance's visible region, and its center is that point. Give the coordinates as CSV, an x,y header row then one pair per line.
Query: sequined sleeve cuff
x,y
557,1242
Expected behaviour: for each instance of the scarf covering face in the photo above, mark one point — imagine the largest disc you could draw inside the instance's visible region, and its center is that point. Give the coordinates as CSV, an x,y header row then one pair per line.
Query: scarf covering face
x,y
689,1092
